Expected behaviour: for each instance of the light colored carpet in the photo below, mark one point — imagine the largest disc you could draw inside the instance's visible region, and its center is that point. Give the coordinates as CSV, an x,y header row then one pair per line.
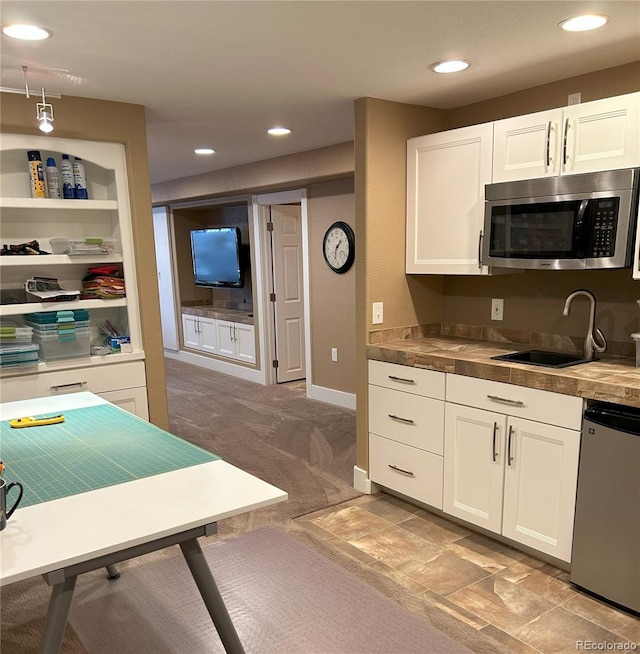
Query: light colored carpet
x,y
283,597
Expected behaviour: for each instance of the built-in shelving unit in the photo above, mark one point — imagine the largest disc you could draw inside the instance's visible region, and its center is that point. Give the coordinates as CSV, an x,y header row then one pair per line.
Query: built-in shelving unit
x,y
105,215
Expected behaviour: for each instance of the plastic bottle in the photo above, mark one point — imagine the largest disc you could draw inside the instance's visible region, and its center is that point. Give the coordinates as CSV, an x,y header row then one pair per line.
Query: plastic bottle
x,y
36,174
54,189
79,180
66,174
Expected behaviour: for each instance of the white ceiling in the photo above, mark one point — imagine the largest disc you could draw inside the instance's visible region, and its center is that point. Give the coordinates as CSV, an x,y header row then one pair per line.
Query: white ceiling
x,y
219,73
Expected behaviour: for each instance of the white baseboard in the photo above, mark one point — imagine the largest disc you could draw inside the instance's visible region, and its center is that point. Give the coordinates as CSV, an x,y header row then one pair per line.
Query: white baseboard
x,y
330,396
217,365
362,483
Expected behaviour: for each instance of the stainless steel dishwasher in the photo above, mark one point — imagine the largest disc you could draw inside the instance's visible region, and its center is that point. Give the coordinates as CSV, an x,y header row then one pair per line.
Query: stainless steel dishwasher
x,y
606,537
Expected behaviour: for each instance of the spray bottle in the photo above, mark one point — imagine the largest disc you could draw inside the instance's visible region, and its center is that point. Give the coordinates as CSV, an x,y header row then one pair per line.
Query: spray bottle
x,y
36,174
66,173
79,180
54,189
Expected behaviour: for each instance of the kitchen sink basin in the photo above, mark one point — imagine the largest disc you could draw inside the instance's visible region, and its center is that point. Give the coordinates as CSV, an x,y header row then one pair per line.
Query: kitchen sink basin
x,y
542,358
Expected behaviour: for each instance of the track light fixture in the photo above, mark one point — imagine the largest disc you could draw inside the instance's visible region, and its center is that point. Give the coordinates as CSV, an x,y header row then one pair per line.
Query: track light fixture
x,y
44,109
44,114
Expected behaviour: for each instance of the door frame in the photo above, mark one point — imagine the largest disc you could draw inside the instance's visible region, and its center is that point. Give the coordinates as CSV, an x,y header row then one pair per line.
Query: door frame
x,y
261,212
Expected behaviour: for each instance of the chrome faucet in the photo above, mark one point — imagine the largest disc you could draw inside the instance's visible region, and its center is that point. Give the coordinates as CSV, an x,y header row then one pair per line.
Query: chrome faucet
x,y
591,344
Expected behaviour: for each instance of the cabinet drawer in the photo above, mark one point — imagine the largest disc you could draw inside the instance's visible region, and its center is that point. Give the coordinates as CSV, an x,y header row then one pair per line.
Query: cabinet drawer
x,y
519,401
409,419
429,383
97,379
407,470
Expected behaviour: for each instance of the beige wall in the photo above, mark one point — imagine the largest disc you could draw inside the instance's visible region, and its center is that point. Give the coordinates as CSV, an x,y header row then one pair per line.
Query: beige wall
x,y
332,296
95,120
292,171
382,129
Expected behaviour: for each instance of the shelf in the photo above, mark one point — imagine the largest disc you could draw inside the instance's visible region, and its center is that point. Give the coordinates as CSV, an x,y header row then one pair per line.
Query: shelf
x,y
19,261
45,203
72,364
32,307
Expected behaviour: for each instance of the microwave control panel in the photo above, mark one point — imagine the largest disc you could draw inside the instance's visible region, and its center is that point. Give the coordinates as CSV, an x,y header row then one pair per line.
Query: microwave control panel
x,y
604,222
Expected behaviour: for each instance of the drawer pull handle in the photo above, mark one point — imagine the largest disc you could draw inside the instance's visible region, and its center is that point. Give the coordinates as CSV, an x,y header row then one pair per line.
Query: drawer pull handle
x,y
402,379
509,457
505,400
63,387
406,421
494,454
404,472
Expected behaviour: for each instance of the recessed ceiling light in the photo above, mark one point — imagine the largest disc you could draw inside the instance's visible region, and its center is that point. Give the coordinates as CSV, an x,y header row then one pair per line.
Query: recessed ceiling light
x,y
26,32
279,131
584,23
204,151
450,66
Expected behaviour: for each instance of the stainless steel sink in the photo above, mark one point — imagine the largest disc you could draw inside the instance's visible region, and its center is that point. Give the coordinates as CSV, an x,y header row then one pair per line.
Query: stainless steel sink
x,y
542,358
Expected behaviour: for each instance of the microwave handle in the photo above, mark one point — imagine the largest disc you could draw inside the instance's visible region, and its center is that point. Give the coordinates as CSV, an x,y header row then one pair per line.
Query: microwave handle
x,y
480,250
548,154
580,227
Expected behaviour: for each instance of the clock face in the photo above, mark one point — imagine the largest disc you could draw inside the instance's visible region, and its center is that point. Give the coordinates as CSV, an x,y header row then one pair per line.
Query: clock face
x,y
339,247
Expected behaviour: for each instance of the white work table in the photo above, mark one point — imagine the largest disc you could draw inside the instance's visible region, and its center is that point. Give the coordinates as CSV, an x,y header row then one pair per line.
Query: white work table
x,y
65,537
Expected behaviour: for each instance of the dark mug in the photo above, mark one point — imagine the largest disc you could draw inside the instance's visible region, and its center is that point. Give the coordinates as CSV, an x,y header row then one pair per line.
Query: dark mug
x,y
4,491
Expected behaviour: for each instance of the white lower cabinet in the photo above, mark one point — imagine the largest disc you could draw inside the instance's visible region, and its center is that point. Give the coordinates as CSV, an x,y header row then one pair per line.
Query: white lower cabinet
x,y
225,338
512,475
236,341
124,384
199,333
406,427
499,456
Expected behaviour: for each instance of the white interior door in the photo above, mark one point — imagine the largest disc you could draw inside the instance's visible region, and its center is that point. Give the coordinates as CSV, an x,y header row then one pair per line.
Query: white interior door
x,y
286,247
165,278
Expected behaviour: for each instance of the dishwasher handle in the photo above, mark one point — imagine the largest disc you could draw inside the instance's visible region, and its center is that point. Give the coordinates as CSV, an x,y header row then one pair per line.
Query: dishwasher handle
x,y
614,416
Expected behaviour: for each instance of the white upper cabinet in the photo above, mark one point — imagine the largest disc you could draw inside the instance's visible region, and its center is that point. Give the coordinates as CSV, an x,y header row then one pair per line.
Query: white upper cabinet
x,y
446,174
582,138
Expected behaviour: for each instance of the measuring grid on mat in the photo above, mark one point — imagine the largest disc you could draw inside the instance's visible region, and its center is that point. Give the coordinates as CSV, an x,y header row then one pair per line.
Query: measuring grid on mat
x,y
94,447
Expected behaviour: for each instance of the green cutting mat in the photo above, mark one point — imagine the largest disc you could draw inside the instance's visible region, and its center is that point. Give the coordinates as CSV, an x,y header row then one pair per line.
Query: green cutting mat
x,y
94,447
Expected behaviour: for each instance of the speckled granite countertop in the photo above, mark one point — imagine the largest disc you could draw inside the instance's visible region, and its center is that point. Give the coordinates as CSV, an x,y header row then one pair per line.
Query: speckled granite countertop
x,y
220,313
611,379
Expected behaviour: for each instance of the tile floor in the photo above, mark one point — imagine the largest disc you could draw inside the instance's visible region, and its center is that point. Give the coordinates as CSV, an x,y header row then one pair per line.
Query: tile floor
x,y
525,604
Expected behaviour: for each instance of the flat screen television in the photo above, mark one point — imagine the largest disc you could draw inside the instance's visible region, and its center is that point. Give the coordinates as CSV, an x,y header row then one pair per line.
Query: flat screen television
x,y
217,258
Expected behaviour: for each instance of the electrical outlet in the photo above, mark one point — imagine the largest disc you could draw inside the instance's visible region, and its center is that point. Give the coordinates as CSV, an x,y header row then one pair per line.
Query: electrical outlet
x,y
377,313
574,98
497,309
334,354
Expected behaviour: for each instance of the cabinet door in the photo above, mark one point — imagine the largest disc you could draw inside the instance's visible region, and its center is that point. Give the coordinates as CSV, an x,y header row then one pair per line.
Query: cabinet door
x,y
528,146
133,400
541,471
226,342
473,465
208,335
245,342
190,332
446,174
602,135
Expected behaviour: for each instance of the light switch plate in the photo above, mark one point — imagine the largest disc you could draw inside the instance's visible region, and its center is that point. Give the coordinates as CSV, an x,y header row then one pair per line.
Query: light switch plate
x,y
378,313
497,309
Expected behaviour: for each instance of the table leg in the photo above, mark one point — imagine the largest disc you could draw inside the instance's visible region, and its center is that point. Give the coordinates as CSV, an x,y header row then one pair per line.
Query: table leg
x,y
211,595
57,615
112,572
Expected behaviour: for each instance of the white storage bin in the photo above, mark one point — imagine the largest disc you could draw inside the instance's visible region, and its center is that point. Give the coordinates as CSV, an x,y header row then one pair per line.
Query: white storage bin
x,y
52,348
84,246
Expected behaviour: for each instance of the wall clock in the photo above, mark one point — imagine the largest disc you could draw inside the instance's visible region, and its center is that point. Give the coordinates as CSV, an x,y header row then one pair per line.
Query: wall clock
x,y
338,247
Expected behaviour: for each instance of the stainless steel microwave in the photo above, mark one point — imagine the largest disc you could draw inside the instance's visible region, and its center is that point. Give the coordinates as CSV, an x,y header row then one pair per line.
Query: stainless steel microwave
x,y
569,222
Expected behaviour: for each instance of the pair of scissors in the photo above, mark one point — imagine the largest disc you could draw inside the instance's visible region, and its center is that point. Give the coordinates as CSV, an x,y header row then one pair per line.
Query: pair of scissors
x,y
30,421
